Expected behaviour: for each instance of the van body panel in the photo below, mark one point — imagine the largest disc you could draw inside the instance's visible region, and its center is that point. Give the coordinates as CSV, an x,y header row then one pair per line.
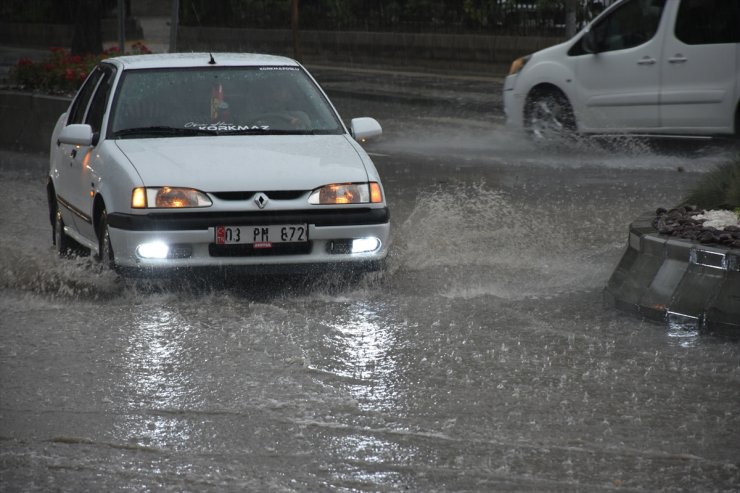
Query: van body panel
x,y
647,66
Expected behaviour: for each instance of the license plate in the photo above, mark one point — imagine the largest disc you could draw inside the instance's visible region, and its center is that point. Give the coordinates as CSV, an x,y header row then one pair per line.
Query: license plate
x,y
262,236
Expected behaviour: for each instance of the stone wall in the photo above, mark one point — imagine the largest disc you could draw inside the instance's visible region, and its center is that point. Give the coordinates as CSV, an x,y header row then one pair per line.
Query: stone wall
x,y
47,35
27,120
442,51
449,52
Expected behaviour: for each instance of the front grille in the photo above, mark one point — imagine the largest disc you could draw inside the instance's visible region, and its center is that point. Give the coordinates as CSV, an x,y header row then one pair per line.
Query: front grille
x,y
249,251
233,195
273,195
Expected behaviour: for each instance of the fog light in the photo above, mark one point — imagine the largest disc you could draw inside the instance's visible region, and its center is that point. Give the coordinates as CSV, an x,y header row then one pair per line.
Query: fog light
x,y
155,250
365,245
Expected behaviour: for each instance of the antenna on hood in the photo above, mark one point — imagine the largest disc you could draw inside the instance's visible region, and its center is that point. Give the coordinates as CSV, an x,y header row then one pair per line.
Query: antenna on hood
x,y
211,61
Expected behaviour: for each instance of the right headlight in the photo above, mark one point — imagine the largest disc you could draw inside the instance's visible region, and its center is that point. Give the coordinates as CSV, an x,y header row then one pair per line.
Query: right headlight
x,y
347,193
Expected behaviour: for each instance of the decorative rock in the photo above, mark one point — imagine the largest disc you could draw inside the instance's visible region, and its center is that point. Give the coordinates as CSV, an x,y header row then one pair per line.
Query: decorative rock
x,y
687,222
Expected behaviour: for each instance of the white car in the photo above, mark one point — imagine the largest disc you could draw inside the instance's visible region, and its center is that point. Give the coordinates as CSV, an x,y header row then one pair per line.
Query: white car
x,y
669,67
198,160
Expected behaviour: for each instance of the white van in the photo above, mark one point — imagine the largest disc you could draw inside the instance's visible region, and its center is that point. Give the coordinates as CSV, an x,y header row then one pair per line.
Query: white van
x,y
668,67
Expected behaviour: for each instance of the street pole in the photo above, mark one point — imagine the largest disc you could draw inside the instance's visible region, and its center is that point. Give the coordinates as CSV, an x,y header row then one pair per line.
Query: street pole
x,y
122,26
174,25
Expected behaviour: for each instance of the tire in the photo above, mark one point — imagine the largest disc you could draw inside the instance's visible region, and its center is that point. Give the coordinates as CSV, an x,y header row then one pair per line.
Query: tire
x,y
62,242
105,250
548,117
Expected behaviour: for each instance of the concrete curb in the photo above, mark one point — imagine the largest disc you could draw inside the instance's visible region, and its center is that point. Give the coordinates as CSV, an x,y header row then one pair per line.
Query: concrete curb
x,y
682,283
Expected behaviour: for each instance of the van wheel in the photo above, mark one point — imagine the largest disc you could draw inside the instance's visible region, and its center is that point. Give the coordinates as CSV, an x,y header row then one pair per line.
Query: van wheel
x,y
548,116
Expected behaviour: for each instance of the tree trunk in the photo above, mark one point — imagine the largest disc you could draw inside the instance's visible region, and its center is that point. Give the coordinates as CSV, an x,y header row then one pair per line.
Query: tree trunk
x,y
570,17
87,36
294,27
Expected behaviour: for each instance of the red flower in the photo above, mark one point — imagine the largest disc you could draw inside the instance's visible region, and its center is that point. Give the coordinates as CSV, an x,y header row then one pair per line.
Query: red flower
x,y
69,74
75,59
24,62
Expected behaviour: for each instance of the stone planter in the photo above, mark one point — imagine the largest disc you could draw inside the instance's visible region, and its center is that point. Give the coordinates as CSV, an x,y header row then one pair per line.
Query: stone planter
x,y
681,283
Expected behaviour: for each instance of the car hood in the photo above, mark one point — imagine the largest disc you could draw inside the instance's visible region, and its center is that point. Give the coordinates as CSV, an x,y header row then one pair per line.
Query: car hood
x,y
245,163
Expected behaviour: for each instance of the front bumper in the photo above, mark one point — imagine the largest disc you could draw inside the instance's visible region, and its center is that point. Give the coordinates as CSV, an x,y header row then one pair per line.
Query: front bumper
x,y
191,238
513,103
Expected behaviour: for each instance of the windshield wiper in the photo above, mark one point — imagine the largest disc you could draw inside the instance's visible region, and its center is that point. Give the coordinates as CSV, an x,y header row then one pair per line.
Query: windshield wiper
x,y
162,131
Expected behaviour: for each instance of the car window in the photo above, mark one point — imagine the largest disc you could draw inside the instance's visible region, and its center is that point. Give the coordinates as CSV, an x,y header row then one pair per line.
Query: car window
x,y
81,102
631,24
97,106
708,22
266,99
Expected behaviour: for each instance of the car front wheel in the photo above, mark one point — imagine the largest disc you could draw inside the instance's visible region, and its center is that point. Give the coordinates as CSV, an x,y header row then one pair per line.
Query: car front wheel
x,y
548,116
61,240
105,250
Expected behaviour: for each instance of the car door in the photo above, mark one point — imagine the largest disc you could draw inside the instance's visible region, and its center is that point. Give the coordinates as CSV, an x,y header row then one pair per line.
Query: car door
x,y
67,160
618,81
700,67
86,158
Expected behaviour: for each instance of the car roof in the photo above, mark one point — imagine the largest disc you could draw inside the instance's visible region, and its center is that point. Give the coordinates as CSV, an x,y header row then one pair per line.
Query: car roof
x,y
185,60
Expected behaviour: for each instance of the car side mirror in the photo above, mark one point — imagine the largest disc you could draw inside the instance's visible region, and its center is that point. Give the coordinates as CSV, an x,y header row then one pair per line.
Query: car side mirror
x,y
365,128
77,134
589,43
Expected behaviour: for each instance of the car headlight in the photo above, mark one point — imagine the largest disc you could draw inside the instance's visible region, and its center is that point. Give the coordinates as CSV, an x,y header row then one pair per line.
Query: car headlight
x,y
347,193
518,64
168,198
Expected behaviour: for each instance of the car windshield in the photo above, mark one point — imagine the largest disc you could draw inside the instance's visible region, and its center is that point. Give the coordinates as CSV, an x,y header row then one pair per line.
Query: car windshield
x,y
220,101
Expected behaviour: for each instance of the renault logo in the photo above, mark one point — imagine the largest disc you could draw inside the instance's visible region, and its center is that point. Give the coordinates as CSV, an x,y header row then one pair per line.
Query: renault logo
x,y
261,200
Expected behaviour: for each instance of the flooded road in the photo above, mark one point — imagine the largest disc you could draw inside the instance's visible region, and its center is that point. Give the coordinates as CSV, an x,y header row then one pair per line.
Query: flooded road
x,y
481,359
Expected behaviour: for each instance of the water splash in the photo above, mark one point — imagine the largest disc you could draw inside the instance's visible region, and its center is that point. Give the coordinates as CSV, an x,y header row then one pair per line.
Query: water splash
x,y
476,242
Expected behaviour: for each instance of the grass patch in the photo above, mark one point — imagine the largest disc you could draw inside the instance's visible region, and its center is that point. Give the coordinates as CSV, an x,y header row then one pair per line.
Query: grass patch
x,y
718,189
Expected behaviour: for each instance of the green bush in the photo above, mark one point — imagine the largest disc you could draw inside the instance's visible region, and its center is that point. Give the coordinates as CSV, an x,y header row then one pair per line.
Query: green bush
x,y
718,189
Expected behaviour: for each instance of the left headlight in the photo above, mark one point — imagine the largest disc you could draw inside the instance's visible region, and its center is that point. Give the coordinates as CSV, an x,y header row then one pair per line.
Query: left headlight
x,y
518,64
347,193
168,198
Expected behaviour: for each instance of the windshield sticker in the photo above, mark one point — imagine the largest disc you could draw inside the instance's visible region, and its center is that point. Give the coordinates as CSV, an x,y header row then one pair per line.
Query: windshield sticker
x,y
280,68
225,127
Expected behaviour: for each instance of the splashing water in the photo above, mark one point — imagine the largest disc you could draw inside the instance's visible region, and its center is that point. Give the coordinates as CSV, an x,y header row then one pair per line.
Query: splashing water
x,y
480,243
